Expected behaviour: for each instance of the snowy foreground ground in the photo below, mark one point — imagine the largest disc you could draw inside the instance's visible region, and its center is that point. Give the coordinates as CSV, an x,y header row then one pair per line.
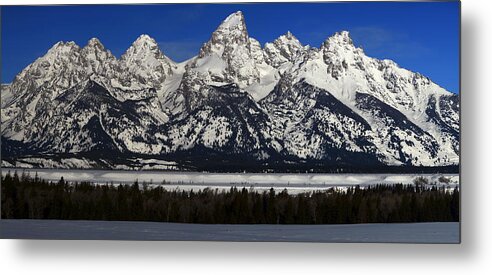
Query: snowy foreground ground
x,y
115,230
294,183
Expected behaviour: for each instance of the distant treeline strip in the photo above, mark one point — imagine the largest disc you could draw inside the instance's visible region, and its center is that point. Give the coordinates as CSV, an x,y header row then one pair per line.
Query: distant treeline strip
x,y
24,197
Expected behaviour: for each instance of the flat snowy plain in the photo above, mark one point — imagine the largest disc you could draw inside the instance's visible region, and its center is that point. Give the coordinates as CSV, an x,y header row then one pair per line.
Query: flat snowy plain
x,y
117,230
294,183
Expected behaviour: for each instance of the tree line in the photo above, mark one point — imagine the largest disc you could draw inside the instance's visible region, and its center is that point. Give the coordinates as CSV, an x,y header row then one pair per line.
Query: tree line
x,y
25,197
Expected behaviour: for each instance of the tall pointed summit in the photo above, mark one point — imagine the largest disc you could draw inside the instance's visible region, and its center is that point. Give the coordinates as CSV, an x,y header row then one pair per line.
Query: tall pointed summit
x,y
146,63
284,49
232,29
230,33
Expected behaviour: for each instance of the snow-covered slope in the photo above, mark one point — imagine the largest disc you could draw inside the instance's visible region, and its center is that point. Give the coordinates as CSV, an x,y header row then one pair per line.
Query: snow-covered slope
x,y
145,64
231,56
234,102
401,107
284,51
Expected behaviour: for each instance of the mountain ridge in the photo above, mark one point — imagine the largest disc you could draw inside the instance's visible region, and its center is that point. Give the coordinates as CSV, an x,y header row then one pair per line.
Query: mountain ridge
x,y
281,103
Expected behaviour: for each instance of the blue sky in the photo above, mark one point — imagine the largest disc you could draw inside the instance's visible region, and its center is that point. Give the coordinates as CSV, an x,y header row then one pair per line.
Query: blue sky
x,y
420,36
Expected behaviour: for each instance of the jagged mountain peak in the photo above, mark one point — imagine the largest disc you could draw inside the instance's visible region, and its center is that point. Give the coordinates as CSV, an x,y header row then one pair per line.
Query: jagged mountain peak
x,y
339,41
95,47
144,63
60,51
233,20
145,40
285,49
231,31
63,46
95,50
95,43
341,38
288,37
230,56
144,46
58,59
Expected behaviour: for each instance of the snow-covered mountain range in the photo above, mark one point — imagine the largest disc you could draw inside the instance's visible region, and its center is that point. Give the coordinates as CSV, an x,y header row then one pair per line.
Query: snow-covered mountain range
x,y
235,104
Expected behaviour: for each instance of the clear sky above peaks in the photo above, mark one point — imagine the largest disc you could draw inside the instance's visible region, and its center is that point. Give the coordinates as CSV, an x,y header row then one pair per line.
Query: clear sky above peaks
x,y
419,36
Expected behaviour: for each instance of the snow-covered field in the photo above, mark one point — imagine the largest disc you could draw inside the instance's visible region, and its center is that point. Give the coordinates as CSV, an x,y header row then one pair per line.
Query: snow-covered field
x,y
117,230
294,183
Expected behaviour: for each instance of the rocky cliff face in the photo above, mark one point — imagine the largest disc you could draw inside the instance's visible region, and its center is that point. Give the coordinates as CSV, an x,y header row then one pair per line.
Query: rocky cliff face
x,y
283,103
